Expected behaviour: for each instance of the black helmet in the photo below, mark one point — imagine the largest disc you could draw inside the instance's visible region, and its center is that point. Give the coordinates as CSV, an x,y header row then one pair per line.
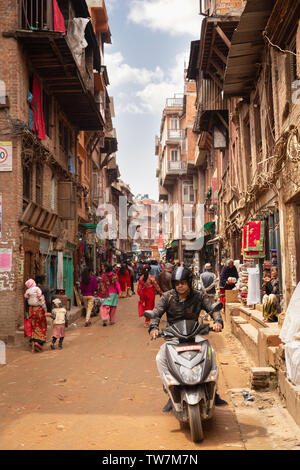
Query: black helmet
x,y
182,274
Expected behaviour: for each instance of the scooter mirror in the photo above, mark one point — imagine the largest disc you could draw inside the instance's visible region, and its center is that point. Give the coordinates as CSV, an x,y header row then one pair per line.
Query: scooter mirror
x,y
149,314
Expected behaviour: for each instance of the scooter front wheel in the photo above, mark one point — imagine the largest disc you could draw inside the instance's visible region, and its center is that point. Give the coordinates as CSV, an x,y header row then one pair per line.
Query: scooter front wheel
x,y
195,423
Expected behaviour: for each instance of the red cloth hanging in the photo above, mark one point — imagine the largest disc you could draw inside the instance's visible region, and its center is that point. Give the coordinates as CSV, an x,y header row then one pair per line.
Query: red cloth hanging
x,y
37,110
58,19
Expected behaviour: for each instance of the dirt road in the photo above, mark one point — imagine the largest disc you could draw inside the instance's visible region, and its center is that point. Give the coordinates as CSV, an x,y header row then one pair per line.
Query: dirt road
x,y
102,391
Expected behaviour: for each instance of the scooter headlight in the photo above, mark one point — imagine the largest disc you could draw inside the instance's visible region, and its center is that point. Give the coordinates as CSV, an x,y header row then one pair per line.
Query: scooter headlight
x,y
191,376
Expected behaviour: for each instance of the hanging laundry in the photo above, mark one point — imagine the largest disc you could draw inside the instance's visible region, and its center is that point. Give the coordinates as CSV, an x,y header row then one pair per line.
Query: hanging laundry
x,y
71,164
37,110
76,36
29,100
58,19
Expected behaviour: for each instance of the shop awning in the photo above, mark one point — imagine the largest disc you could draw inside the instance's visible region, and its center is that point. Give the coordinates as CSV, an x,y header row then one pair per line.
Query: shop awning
x,y
209,225
90,226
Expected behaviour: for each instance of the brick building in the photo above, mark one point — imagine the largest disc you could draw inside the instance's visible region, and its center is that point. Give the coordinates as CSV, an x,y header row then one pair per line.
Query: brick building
x,y
177,175
56,138
246,65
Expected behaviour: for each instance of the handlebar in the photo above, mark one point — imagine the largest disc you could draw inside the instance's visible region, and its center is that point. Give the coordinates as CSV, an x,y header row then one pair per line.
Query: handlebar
x,y
161,333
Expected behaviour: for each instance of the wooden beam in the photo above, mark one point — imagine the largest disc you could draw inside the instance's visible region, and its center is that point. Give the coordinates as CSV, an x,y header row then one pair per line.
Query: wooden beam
x,y
216,80
223,36
222,120
217,67
59,56
211,47
219,53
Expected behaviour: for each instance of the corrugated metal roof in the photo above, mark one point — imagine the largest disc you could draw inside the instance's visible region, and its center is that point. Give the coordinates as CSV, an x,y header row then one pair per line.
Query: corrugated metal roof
x,y
246,48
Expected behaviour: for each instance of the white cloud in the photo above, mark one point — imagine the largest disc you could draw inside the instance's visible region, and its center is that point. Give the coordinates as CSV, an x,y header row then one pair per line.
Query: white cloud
x,y
153,96
121,73
111,5
175,17
140,91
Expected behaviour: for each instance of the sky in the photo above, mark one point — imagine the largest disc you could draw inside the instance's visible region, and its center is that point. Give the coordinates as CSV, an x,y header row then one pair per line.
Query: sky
x,y
145,63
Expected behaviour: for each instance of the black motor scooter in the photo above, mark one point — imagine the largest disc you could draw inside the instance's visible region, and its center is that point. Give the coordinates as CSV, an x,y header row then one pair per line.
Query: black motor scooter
x,y
192,371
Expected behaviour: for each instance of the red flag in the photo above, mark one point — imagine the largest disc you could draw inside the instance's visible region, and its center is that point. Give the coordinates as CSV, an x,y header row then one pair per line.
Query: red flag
x,y
58,19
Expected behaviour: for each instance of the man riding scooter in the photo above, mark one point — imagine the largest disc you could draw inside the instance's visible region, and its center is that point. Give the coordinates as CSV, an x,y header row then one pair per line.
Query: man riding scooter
x,y
181,303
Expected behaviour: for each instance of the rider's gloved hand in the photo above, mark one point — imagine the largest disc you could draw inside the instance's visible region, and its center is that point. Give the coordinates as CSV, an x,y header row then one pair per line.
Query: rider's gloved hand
x,y
153,334
217,327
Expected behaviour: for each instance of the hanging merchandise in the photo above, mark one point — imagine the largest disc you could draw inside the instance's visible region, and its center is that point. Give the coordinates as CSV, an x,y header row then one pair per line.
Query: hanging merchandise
x,y
274,257
253,240
253,286
243,280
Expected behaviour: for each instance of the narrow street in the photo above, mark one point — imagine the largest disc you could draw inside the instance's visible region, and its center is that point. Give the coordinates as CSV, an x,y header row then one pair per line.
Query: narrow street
x,y
102,392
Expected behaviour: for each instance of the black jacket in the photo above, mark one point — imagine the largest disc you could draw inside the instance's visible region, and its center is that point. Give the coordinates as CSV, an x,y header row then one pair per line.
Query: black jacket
x,y
188,310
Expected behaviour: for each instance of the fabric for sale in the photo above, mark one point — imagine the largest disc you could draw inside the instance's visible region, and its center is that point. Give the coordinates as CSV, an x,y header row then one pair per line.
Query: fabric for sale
x,y
253,244
253,286
255,236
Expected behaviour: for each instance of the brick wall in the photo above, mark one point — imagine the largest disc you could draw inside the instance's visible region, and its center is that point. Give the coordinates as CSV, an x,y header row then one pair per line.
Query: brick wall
x,y
229,7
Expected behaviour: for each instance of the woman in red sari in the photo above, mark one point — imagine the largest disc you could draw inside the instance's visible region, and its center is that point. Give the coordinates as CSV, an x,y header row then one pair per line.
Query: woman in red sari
x,y
38,328
147,288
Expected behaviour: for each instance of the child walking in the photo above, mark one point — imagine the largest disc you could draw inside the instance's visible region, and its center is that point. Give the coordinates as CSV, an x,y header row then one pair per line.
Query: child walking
x,y
60,321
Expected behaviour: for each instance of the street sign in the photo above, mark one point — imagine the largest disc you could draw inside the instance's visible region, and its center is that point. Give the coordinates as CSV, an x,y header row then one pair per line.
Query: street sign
x,y
5,156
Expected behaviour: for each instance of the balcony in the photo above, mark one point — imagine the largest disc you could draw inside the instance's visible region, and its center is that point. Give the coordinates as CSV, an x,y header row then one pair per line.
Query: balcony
x,y
176,102
99,15
54,60
175,135
177,167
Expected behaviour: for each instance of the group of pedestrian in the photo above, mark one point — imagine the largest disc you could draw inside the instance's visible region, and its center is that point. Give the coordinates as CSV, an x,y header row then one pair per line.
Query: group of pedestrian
x,y
111,283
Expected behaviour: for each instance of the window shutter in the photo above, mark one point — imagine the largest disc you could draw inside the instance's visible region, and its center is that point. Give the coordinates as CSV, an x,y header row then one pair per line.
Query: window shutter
x,y
66,200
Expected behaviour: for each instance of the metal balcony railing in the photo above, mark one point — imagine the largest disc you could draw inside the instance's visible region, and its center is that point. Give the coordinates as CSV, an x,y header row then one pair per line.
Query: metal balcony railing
x,y
177,166
174,103
175,134
36,15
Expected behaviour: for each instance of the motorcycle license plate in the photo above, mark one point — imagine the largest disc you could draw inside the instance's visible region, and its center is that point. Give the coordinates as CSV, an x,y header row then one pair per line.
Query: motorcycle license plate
x,y
189,348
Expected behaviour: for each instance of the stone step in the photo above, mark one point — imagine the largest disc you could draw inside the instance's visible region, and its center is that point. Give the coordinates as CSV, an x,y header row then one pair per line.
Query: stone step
x,y
248,336
253,316
239,320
